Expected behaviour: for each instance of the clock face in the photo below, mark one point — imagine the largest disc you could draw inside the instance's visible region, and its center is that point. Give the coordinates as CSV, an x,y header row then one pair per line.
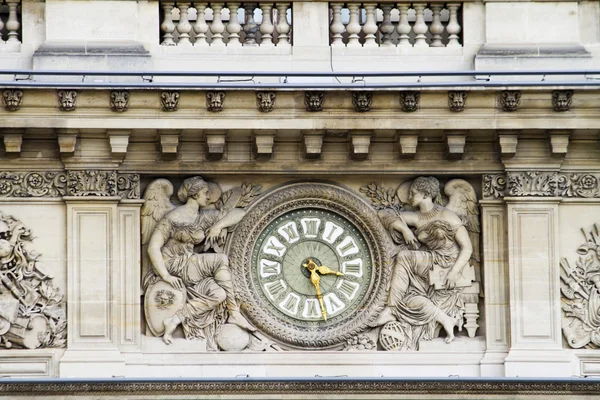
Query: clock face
x,y
306,249
310,264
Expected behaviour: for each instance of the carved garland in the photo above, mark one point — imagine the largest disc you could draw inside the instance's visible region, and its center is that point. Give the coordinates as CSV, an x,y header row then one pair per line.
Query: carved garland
x,y
541,184
326,197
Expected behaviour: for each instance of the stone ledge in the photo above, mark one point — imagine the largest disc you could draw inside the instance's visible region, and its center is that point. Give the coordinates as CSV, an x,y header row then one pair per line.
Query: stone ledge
x,y
534,50
99,48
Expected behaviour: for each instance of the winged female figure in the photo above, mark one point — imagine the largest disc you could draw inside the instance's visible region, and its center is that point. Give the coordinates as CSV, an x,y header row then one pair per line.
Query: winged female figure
x,y
169,236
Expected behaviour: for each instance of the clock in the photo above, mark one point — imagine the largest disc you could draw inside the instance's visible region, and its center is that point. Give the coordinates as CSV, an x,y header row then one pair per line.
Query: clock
x,y
311,265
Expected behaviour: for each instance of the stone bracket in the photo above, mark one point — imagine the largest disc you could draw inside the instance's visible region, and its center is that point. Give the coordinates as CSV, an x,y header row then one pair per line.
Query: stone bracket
x,y
508,144
169,142
215,144
559,142
67,139
13,139
407,144
360,142
119,141
312,143
263,142
455,143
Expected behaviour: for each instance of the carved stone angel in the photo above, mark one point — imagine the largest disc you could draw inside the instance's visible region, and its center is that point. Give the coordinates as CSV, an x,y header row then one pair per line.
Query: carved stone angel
x,y
435,246
199,294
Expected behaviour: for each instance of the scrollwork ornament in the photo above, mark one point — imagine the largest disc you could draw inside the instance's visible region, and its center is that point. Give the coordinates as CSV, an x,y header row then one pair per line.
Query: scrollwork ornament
x,y
12,99
494,185
67,100
92,183
169,99
215,101
409,101
532,183
119,100
314,101
265,101
362,101
457,100
32,184
128,186
579,185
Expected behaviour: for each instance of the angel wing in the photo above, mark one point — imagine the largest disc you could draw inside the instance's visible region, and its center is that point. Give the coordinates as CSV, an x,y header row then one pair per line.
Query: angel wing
x,y
157,203
462,200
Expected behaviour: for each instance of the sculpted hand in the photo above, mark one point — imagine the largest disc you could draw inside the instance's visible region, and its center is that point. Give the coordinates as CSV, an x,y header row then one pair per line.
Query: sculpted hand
x,y
174,281
411,240
451,279
212,236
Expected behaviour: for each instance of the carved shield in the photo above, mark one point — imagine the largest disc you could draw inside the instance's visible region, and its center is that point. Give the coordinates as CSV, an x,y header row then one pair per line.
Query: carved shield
x,y
162,301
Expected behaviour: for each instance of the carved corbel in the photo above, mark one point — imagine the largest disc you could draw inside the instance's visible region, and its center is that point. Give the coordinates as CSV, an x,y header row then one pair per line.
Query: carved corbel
x,y
360,142
169,142
67,139
559,142
263,142
215,144
119,140
13,138
313,143
508,144
407,144
455,143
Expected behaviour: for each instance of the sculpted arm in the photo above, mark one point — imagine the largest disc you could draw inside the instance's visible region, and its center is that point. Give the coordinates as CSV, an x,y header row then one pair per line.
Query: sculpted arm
x,y
156,243
466,249
400,223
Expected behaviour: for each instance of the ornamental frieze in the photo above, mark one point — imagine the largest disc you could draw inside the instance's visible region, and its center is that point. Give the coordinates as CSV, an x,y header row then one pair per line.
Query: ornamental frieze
x,y
33,184
541,184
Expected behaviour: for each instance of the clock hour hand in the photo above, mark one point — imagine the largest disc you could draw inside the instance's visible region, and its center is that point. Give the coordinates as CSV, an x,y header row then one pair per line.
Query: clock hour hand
x,y
315,279
323,270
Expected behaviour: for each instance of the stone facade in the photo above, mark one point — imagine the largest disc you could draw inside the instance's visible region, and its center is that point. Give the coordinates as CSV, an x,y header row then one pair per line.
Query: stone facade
x,y
180,226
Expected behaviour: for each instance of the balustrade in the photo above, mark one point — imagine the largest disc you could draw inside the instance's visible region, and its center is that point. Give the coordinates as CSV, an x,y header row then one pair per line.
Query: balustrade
x,y
10,22
231,24
395,24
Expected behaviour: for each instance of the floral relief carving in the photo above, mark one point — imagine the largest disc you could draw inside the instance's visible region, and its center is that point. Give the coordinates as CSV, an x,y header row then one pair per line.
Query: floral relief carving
x,y
409,101
215,101
32,310
92,183
128,186
67,99
265,101
12,99
32,184
169,100
119,100
362,101
541,183
494,185
314,101
579,185
532,183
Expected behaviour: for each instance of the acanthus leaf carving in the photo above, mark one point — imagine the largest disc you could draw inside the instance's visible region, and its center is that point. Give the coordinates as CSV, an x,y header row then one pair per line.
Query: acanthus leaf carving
x,y
128,186
32,184
532,183
579,185
494,185
92,183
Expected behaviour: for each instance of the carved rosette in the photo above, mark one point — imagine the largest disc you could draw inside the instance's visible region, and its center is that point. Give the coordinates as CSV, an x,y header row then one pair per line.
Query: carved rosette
x,y
320,196
32,184
541,184
409,101
314,101
67,100
169,100
579,185
92,183
362,101
12,99
128,186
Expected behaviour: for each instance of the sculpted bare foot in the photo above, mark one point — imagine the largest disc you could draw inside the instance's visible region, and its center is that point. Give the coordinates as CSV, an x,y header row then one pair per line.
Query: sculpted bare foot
x,y
170,325
236,318
449,323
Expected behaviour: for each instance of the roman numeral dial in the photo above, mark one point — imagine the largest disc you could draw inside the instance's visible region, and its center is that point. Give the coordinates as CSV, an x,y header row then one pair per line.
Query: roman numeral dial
x,y
312,265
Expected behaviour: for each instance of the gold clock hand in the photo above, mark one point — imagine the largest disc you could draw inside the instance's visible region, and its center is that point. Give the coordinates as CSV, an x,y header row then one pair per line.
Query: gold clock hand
x,y
315,279
328,271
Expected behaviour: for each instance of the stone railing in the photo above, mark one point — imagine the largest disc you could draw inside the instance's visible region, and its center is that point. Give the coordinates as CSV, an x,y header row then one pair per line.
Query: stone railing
x,y
395,24
231,24
10,23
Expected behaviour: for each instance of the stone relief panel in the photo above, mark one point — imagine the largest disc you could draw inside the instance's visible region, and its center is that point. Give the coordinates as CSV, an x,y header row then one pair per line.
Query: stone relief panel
x,y
33,184
32,310
542,184
580,288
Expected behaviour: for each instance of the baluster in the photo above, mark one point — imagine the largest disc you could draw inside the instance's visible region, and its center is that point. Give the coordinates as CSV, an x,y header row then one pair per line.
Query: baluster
x,y
200,27
386,28
420,27
233,27
403,27
453,28
250,26
217,27
353,27
283,28
370,27
183,27
337,27
167,26
13,24
436,27
266,27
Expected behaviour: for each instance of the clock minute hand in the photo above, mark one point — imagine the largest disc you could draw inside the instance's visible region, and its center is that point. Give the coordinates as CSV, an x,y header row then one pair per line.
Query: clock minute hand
x,y
315,279
328,271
